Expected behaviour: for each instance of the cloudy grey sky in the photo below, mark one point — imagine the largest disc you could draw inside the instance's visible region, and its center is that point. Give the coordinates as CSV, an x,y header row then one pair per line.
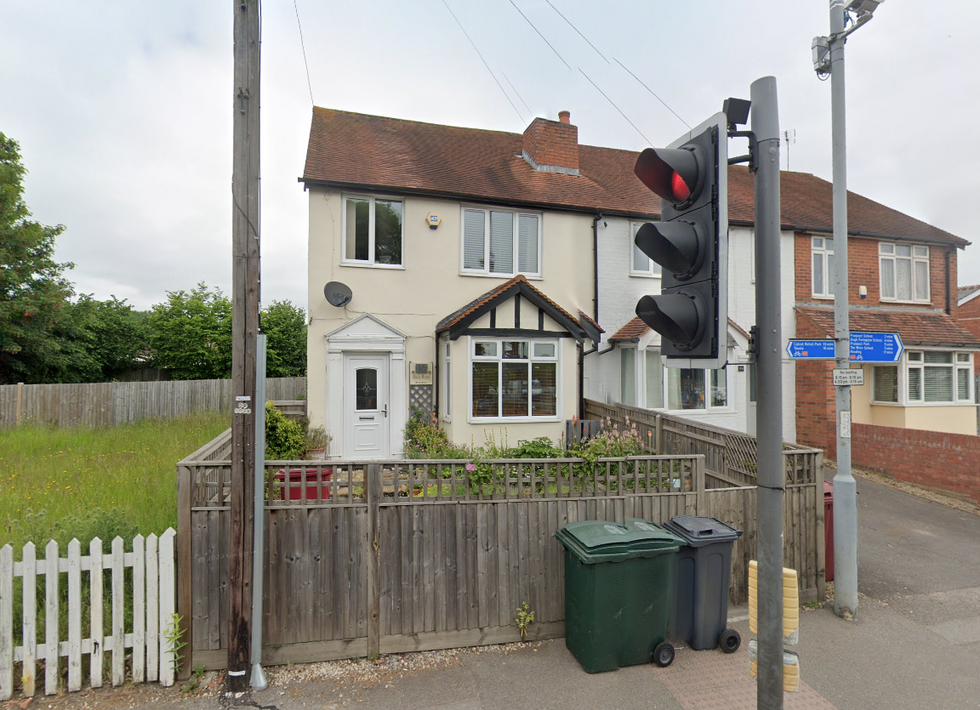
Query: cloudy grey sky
x,y
123,109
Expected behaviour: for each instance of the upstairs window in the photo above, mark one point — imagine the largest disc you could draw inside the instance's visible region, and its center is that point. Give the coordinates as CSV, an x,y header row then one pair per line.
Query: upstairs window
x,y
822,256
904,272
373,231
498,242
640,263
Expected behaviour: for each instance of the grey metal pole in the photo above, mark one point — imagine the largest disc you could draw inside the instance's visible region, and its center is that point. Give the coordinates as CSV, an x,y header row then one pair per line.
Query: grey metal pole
x,y
769,368
258,680
845,487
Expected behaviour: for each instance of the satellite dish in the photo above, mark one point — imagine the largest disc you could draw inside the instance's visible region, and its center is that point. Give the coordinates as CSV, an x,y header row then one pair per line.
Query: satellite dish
x,y
337,294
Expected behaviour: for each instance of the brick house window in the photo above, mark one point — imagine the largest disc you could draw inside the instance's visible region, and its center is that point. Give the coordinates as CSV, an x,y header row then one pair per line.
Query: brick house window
x,y
373,231
904,272
498,242
640,263
822,256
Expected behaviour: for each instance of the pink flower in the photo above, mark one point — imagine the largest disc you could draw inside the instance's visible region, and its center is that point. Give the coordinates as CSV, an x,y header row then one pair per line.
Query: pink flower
x,y
471,467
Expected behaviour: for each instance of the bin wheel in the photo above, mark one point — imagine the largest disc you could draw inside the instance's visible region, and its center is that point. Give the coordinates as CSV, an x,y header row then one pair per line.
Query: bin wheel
x,y
663,654
729,640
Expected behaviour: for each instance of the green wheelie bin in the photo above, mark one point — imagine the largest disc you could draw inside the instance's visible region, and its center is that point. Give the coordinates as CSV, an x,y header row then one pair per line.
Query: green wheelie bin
x,y
619,582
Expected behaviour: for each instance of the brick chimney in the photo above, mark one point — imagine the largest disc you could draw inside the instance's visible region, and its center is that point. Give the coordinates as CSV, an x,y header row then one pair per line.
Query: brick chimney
x,y
552,146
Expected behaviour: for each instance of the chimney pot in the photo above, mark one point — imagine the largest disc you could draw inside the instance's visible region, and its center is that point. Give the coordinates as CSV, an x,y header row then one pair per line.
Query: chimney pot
x,y
564,117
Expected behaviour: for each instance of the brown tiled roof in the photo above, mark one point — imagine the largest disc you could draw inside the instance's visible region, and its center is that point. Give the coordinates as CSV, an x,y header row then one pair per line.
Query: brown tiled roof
x,y
352,150
517,284
636,329
915,327
631,332
806,202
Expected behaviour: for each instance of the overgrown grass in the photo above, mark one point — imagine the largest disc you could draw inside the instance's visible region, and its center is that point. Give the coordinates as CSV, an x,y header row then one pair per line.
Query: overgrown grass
x,y
82,482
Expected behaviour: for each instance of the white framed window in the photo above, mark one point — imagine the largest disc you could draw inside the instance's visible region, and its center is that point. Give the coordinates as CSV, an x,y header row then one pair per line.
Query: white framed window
x,y
500,242
884,379
374,231
904,272
682,389
447,382
515,379
822,257
640,263
925,377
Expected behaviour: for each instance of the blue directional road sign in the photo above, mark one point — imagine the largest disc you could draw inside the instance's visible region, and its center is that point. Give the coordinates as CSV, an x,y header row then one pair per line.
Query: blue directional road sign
x,y
876,347
810,349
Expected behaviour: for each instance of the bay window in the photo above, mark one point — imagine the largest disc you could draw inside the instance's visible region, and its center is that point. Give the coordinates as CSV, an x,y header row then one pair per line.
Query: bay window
x,y
925,377
514,378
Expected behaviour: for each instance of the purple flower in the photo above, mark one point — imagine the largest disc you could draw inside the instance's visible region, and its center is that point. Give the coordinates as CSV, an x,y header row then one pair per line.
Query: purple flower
x,y
471,467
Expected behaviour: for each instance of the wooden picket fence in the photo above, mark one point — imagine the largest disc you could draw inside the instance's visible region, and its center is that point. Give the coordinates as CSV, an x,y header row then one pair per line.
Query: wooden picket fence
x,y
151,604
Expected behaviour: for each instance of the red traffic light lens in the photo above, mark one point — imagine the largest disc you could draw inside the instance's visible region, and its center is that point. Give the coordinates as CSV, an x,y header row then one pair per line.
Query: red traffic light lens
x,y
680,189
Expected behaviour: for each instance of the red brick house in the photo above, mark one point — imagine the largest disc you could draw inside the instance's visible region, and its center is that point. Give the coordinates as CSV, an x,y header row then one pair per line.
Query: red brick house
x,y
968,314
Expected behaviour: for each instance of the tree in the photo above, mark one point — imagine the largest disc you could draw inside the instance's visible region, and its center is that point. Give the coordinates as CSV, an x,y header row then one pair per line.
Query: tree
x,y
110,337
33,290
190,334
285,327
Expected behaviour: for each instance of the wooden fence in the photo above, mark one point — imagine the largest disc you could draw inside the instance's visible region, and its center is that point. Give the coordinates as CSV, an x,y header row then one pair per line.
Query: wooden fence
x,y
114,403
418,555
731,457
145,594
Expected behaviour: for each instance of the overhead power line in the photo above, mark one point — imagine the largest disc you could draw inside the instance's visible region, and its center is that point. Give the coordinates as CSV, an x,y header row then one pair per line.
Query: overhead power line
x,y
539,34
480,54
302,44
516,93
576,29
653,94
616,107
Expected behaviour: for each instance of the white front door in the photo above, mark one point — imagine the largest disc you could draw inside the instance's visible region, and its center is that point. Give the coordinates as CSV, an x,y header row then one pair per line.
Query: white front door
x,y
366,406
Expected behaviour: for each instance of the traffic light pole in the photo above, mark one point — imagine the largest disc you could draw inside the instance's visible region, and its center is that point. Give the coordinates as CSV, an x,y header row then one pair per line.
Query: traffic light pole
x,y
845,487
769,369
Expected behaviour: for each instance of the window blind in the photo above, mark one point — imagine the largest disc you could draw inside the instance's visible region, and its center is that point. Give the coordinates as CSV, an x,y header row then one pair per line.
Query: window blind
x,y
527,244
501,242
474,239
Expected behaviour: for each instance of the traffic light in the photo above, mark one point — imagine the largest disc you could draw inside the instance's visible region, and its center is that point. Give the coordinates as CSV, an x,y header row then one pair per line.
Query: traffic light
x,y
691,245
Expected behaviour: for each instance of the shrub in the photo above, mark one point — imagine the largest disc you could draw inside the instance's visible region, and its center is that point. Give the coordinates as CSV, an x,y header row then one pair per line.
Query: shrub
x,y
425,439
610,442
540,448
284,440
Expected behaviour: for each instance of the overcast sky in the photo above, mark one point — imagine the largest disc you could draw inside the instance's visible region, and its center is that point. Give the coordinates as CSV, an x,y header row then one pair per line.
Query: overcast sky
x,y
123,109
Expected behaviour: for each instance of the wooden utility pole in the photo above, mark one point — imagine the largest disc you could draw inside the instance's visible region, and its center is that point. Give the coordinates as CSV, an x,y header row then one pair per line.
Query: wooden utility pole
x,y
245,327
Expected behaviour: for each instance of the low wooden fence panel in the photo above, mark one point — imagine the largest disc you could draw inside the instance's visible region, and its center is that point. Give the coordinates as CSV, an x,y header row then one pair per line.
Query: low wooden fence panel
x,y
145,594
114,403
417,555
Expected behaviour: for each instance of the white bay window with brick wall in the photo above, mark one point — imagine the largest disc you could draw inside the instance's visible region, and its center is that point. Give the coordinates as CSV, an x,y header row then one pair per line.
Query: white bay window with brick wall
x,y
924,378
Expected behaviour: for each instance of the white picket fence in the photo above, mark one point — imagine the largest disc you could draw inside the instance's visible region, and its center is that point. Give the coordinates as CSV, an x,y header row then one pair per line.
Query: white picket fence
x,y
152,604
